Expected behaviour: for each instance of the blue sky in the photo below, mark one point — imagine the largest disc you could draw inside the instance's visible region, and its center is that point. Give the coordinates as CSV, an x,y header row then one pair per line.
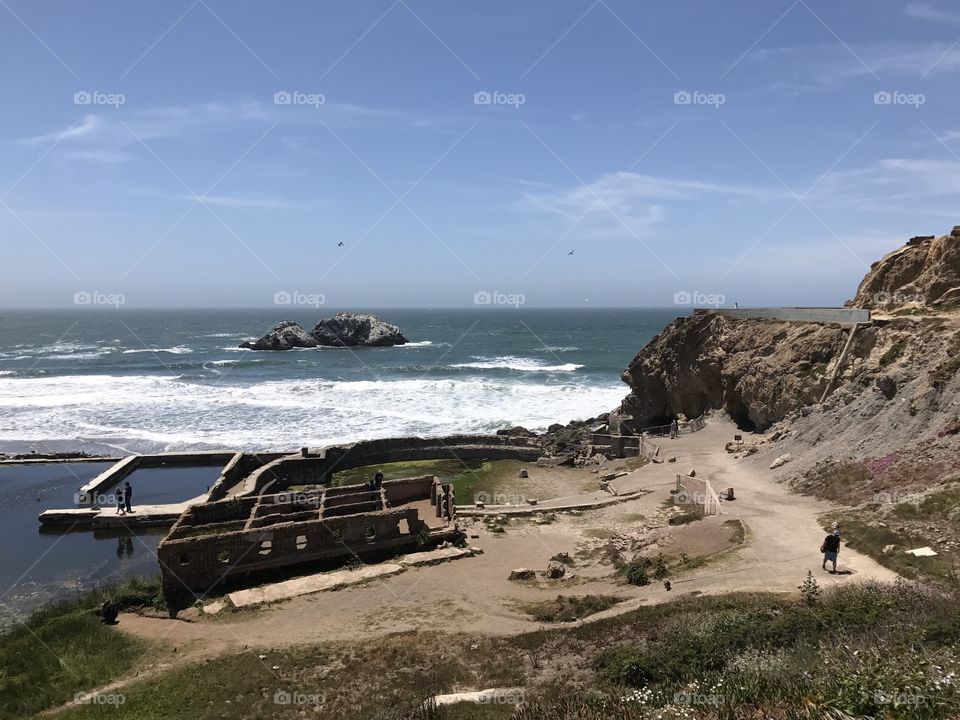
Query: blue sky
x,y
215,153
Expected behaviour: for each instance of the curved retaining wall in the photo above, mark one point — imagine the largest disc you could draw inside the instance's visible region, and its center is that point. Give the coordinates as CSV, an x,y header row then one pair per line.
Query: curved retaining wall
x,y
318,466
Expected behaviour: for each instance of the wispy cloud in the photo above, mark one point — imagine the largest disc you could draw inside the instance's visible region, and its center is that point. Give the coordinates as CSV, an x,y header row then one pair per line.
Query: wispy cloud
x,y
926,11
626,192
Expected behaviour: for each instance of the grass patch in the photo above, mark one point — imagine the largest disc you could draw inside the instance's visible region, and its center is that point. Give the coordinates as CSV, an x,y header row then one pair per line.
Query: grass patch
x,y
570,608
376,679
64,649
871,540
737,531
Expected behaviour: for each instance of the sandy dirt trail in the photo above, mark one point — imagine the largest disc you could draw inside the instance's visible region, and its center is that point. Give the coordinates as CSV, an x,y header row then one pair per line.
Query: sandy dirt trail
x,y
474,595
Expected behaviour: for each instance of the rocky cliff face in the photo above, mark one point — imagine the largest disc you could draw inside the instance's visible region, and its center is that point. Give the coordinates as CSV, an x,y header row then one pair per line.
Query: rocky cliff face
x,y
763,372
756,370
341,330
924,272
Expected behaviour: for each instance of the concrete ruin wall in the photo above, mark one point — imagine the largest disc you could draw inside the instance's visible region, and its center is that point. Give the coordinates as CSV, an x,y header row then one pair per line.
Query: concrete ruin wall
x,y
699,492
216,541
198,564
318,466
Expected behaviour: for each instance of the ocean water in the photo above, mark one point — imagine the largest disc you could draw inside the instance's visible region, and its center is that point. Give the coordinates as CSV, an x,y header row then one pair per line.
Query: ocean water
x,y
146,381
153,380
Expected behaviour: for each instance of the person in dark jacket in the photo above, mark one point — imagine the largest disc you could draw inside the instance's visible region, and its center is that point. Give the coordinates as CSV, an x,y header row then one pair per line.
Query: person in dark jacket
x,y
830,548
127,496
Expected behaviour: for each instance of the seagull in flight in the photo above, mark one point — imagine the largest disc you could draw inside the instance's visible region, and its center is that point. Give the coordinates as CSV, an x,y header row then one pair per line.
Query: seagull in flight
x,y
340,244
570,253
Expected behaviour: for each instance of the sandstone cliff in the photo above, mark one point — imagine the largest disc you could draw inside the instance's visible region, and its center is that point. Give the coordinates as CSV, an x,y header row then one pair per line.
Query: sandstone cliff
x,y
762,372
924,272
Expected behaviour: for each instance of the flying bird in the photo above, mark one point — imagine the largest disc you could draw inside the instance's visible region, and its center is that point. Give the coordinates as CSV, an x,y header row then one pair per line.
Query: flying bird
x,y
340,244
570,253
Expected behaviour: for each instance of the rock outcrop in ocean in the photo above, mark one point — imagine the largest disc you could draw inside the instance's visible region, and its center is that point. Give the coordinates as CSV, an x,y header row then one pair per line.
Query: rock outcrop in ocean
x,y
342,330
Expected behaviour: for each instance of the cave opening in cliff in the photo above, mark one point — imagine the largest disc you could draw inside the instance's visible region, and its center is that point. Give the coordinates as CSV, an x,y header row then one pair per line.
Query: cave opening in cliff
x,y
741,416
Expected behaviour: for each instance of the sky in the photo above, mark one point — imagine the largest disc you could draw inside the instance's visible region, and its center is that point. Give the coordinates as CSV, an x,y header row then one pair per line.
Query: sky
x,y
429,153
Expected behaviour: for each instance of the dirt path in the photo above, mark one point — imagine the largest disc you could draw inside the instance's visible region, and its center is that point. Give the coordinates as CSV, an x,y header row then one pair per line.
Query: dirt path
x,y
474,595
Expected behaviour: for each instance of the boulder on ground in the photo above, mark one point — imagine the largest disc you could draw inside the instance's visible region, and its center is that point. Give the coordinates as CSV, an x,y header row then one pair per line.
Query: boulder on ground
x,y
555,570
523,574
781,461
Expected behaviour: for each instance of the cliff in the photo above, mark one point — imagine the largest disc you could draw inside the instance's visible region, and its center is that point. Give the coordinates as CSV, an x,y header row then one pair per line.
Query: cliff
x,y
762,372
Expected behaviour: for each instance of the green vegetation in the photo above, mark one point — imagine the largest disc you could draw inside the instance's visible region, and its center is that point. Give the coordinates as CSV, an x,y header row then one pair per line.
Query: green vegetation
x,y
871,539
569,608
855,651
63,649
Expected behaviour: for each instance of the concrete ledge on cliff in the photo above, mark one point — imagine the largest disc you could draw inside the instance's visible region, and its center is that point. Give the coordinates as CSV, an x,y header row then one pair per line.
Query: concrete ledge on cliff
x,y
840,316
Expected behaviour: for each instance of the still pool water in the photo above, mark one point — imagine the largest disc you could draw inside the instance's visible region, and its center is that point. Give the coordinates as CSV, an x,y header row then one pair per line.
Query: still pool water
x,y
41,564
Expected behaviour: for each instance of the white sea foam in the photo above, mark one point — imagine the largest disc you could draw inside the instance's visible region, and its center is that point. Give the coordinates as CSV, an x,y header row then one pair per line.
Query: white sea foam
x,y
177,350
519,364
155,412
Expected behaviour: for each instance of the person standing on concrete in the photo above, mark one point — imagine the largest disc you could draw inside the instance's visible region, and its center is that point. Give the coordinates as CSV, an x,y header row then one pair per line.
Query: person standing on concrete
x,y
674,429
127,496
118,494
830,548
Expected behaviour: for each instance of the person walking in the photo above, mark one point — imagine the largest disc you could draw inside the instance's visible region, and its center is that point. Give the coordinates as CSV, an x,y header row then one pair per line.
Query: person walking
x,y
830,547
127,496
118,494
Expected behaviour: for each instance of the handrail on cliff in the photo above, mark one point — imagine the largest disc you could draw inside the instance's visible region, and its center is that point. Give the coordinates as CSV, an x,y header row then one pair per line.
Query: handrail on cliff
x,y
690,426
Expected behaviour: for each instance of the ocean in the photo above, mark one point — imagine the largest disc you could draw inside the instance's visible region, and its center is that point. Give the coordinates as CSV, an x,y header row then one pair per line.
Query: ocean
x,y
139,381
